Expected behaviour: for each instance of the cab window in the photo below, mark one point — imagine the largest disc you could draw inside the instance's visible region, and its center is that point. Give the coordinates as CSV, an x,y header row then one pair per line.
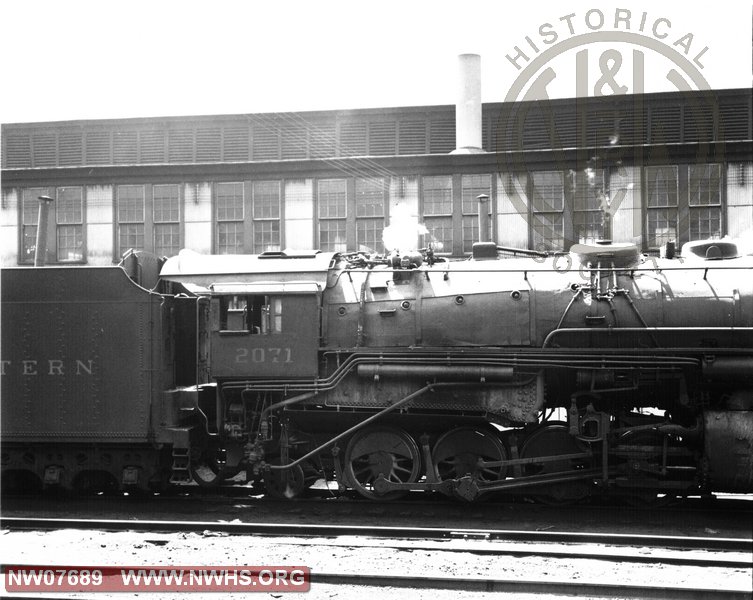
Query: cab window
x,y
254,314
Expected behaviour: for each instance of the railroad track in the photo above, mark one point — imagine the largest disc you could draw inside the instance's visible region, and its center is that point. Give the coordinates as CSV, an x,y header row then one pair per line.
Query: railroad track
x,y
677,551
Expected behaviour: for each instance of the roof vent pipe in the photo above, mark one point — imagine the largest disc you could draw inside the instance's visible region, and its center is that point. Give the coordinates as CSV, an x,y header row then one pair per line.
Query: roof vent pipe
x,y
483,218
40,252
468,105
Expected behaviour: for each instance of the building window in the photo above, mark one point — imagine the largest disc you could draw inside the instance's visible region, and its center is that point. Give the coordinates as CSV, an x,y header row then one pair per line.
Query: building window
x,y
370,202
705,201
661,205
588,205
166,213
439,233
266,198
472,187
69,211
29,219
437,195
332,197
547,207
230,216
131,213
437,212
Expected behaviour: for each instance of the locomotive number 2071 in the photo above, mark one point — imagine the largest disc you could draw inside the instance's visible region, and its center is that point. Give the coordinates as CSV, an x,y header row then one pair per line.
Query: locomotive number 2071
x,y
263,355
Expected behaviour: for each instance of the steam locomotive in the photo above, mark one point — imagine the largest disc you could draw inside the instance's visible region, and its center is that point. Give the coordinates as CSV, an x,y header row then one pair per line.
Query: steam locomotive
x,y
549,376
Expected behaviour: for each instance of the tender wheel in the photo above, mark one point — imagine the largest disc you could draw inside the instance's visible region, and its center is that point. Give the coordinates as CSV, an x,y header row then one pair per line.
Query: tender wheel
x,y
465,450
284,484
554,439
381,451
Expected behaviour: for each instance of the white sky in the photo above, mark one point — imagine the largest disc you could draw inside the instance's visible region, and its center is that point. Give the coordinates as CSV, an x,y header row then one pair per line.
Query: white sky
x,y
86,59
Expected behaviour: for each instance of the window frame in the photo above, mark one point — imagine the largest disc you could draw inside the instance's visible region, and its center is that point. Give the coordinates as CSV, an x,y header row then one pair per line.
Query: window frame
x,y
370,224
239,229
469,193
159,223
266,240
588,211
117,206
542,217
29,207
339,220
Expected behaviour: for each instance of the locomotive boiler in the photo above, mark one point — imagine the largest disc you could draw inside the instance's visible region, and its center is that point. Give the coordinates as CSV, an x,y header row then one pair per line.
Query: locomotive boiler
x,y
552,376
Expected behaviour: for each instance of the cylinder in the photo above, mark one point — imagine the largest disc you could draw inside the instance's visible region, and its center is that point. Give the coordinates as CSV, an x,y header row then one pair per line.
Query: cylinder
x,y
438,372
468,105
728,450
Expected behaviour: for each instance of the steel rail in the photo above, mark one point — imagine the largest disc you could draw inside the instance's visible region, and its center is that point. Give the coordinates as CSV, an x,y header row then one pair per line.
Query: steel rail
x,y
484,584
548,587
726,544
560,588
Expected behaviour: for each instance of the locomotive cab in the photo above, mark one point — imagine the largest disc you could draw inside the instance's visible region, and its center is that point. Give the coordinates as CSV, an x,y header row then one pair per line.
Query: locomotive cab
x,y
264,330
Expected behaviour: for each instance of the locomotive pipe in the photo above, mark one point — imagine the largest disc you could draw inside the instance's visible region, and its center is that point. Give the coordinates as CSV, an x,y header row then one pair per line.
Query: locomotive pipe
x,y
442,372
735,368
650,330
40,252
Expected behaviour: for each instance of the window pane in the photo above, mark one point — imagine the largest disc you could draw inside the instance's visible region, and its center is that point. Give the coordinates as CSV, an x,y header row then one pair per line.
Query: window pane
x,y
473,187
131,204
229,201
470,232
589,226
69,205
70,243
705,185
440,233
589,189
30,216
266,236
548,191
437,195
661,186
166,239
31,205
332,198
131,237
29,243
548,232
229,238
705,223
662,226
370,197
332,236
266,199
369,235
166,203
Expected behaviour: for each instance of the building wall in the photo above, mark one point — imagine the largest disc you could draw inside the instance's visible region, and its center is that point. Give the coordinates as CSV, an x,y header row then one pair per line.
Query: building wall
x,y
337,180
407,211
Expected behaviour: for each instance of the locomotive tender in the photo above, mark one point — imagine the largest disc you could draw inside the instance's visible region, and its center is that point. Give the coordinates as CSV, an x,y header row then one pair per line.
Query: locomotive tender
x,y
550,376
